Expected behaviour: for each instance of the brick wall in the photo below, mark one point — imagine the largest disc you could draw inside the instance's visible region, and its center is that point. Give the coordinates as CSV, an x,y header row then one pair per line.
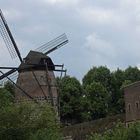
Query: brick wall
x,y
132,101
27,81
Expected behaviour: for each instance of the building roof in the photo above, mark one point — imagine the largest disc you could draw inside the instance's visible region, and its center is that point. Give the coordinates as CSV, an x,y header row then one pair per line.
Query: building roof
x,y
132,84
36,60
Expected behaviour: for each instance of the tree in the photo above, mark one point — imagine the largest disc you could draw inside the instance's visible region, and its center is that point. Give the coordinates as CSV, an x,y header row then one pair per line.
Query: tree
x,y
85,113
117,101
132,74
76,105
6,95
99,100
70,99
102,76
119,79
6,98
25,120
98,74
10,87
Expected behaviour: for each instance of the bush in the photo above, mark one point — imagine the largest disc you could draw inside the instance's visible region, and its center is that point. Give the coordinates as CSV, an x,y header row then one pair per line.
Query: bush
x,y
28,121
120,132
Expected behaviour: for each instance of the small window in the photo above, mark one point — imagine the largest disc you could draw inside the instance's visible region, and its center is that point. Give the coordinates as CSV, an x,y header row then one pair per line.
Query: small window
x,y
129,107
137,105
43,97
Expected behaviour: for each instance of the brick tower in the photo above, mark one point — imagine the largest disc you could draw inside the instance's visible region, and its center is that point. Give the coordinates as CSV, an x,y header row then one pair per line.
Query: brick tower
x,y
36,78
132,102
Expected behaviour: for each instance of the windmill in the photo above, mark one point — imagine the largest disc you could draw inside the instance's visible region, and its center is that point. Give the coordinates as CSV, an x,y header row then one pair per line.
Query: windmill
x,y
36,80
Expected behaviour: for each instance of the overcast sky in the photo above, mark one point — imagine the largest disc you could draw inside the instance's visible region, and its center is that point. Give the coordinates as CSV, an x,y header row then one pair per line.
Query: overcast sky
x,y
100,32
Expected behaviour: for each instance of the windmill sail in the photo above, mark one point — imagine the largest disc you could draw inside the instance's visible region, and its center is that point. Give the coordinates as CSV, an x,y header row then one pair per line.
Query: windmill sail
x,y
53,44
7,73
8,38
3,77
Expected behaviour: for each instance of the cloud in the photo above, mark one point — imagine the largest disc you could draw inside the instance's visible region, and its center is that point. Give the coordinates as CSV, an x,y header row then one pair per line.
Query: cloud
x,y
62,2
100,51
99,46
12,14
100,32
94,15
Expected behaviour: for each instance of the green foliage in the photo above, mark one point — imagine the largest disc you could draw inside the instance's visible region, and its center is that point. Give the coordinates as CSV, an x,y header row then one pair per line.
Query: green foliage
x,y
98,74
24,121
102,76
132,74
120,132
70,98
118,77
10,87
45,134
6,98
85,113
98,97
6,95
125,83
113,82
117,101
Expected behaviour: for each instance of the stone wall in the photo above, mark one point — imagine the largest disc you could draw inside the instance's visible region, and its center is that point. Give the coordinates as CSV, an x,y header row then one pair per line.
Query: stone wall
x,y
79,131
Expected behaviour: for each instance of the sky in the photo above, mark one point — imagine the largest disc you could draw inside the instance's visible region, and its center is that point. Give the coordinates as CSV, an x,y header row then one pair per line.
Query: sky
x,y
100,32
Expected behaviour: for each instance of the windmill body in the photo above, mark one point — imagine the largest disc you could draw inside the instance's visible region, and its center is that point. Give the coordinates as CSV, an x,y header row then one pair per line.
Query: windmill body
x,y
36,77
36,80
27,81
